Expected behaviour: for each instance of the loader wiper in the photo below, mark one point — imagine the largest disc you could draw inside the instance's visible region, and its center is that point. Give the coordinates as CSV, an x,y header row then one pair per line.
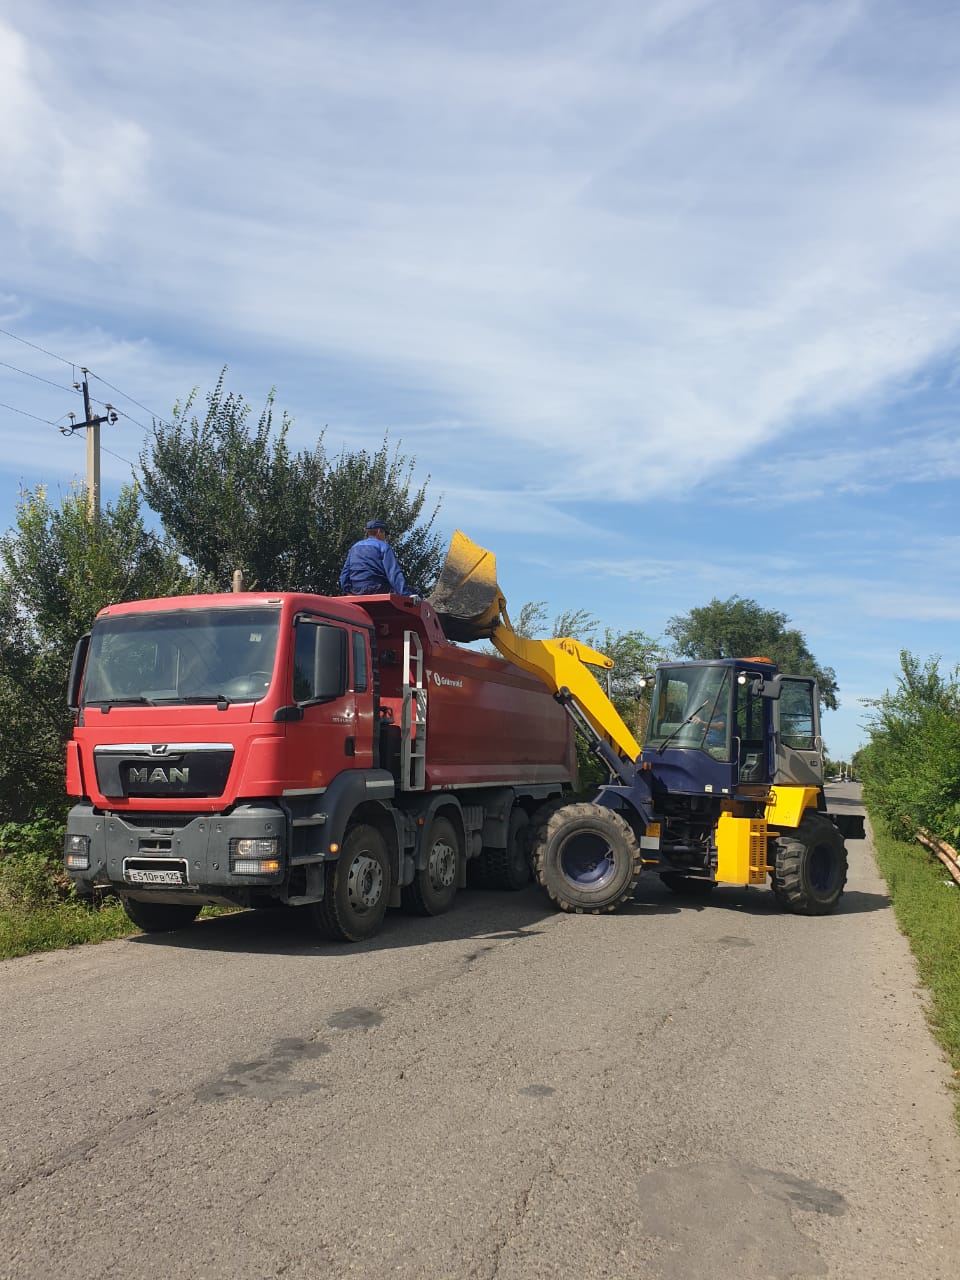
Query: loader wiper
x,y
682,725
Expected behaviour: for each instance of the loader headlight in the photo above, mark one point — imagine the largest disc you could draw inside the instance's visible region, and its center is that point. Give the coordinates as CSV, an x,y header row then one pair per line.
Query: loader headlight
x,y
258,856
76,853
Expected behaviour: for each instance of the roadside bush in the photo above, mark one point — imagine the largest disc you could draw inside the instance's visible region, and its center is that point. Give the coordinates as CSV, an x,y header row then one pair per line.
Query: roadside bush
x,y
28,883
911,765
31,871
41,835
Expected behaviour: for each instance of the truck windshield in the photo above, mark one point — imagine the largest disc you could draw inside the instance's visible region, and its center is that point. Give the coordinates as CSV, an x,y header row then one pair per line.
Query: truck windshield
x,y
183,655
691,708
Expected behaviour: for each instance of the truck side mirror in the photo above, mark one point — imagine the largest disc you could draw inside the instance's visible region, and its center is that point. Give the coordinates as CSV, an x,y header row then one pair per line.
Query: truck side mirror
x,y
76,673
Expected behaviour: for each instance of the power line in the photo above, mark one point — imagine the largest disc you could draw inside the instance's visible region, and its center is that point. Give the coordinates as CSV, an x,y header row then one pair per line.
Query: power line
x,y
52,354
73,364
123,415
131,465
27,374
24,413
126,397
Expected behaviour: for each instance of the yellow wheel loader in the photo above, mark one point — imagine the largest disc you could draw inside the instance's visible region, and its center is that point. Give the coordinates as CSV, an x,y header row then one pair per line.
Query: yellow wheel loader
x,y
726,788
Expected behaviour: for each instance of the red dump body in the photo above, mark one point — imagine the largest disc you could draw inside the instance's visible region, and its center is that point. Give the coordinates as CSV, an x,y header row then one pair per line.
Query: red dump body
x,y
487,722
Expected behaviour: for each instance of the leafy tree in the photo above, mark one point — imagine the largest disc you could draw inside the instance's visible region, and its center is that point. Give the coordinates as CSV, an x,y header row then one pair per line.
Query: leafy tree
x,y
911,765
57,569
738,628
533,620
232,496
634,655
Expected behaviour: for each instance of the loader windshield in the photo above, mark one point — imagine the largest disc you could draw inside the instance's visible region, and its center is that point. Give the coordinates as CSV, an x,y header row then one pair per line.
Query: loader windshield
x,y
182,655
691,709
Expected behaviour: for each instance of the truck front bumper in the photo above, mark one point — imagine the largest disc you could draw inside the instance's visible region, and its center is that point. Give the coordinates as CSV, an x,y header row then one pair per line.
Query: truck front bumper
x,y
214,857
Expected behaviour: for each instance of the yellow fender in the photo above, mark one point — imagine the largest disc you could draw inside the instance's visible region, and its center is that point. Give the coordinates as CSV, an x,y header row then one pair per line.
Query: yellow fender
x,y
787,805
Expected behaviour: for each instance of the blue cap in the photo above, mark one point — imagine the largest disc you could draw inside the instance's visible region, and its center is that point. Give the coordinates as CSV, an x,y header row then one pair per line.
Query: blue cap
x,y
375,524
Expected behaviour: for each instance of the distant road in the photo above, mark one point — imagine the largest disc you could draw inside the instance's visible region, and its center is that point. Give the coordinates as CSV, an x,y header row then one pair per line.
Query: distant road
x,y
675,1092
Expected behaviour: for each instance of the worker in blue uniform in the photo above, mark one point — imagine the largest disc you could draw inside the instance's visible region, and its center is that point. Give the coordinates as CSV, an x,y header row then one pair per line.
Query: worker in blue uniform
x,y
371,567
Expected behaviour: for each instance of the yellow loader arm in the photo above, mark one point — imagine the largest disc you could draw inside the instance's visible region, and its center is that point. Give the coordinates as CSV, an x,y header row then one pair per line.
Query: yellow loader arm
x,y
471,606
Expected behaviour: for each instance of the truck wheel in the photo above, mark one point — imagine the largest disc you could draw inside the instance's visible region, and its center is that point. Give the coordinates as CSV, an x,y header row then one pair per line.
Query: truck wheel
x,y
587,858
357,888
435,885
508,868
160,917
810,867
687,886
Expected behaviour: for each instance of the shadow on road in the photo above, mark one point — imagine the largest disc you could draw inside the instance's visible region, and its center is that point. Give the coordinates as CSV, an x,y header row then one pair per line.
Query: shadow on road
x,y
290,931
757,901
476,914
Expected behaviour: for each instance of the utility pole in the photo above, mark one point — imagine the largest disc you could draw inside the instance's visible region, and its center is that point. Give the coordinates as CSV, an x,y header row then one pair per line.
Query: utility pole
x,y
92,424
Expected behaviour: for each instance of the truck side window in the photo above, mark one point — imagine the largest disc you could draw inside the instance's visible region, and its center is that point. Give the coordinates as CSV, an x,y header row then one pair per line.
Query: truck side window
x,y
359,662
319,662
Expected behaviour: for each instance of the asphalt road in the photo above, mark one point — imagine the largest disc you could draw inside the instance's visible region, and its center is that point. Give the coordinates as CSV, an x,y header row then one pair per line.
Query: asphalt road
x,y
673,1092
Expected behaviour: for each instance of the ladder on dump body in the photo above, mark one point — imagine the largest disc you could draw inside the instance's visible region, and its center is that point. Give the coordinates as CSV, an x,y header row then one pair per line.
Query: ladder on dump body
x,y
413,720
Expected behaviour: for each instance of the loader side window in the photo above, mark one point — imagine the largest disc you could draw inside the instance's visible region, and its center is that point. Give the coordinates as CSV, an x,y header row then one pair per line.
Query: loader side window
x,y
796,716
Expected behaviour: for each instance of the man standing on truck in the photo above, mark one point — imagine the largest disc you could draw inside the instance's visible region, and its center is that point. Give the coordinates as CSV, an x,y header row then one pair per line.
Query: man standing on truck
x,y
371,567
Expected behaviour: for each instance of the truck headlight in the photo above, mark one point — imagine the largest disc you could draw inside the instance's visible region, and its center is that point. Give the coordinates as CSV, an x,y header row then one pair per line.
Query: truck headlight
x,y
76,853
255,856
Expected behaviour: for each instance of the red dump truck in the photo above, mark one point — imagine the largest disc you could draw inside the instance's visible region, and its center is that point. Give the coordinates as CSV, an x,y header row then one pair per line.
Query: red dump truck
x,y
340,754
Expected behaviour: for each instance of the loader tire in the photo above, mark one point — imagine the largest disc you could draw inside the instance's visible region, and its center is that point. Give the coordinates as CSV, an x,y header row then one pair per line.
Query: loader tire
x,y
587,858
536,831
160,917
809,867
507,868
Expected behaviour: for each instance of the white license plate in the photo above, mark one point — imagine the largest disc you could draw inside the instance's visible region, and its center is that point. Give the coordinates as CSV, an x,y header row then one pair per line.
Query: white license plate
x,y
137,875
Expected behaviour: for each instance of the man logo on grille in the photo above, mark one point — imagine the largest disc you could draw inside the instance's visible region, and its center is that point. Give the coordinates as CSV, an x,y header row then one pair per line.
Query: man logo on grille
x,y
159,775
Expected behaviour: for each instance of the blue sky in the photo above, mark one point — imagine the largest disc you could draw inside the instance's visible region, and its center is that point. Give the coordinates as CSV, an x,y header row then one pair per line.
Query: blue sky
x,y
663,297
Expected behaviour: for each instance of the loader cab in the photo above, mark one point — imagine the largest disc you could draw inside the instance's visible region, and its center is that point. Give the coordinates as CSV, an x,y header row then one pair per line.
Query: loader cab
x,y
731,726
689,742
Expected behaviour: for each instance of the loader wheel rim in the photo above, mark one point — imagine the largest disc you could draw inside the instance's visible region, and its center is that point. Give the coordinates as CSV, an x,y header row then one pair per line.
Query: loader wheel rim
x,y
586,861
364,883
822,868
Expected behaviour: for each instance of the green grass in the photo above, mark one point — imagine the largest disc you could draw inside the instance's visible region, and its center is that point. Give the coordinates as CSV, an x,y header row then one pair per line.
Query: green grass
x,y
928,912
64,924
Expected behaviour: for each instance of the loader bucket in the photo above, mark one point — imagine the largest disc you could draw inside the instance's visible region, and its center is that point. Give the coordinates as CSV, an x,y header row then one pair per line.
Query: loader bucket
x,y
467,597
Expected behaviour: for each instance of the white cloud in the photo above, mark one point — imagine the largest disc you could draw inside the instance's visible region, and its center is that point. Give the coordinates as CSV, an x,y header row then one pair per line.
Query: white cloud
x,y
626,249
68,164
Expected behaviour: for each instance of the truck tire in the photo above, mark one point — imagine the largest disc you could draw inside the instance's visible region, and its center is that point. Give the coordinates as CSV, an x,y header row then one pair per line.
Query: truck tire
x,y
357,888
160,917
809,867
434,885
687,886
508,868
587,858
